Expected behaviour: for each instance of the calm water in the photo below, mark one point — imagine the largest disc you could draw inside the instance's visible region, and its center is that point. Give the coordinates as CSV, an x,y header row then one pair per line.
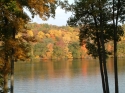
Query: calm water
x,y
71,76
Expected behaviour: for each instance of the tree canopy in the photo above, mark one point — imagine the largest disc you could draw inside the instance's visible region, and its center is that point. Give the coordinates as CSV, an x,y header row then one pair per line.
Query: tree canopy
x,y
98,21
13,19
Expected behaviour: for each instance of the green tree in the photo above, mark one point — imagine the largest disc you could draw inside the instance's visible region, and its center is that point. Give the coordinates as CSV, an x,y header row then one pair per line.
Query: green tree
x,y
58,52
74,48
93,18
118,11
40,49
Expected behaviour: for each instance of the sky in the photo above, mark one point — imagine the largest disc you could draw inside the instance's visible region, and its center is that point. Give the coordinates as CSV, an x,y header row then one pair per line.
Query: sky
x,y
60,19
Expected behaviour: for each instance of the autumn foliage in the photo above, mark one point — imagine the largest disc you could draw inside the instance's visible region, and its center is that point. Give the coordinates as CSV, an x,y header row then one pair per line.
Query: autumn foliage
x,y
54,42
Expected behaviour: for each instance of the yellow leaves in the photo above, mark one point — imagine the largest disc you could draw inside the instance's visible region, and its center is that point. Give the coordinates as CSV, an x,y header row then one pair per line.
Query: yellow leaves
x,y
123,38
56,33
19,53
67,35
41,7
20,49
9,44
19,24
40,35
30,33
69,55
75,36
51,31
50,47
37,57
18,35
66,38
1,63
47,35
70,29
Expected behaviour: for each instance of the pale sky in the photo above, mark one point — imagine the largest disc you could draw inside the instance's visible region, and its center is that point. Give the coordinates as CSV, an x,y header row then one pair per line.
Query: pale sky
x,y
60,19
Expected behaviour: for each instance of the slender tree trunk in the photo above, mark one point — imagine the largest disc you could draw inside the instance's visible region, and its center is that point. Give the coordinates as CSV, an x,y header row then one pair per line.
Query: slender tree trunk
x,y
12,74
100,59
12,64
6,69
115,45
101,68
115,67
115,63
104,58
5,82
5,77
104,61
103,48
106,77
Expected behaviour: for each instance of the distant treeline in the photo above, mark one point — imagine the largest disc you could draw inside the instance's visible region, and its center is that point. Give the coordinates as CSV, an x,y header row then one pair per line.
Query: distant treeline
x,y
60,42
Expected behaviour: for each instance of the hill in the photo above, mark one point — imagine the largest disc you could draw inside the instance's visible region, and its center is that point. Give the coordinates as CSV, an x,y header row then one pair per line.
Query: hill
x,y
59,42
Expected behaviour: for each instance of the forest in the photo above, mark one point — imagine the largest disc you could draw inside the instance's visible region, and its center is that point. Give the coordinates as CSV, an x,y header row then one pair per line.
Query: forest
x,y
60,42
93,30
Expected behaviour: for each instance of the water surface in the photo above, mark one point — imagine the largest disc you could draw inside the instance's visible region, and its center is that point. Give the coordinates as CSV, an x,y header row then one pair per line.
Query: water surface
x,y
65,76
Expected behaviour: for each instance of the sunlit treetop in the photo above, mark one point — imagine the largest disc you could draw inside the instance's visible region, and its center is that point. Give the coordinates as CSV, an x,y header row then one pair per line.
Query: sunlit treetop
x,y
12,14
44,8
13,19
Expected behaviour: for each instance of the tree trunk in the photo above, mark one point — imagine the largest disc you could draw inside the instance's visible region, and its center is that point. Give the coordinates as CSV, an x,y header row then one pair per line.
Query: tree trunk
x,y
104,59
103,48
12,74
100,60
12,64
5,71
5,82
5,77
115,67
115,63
101,64
115,44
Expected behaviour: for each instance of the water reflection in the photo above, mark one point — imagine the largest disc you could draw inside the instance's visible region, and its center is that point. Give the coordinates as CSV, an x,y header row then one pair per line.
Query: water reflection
x,y
64,76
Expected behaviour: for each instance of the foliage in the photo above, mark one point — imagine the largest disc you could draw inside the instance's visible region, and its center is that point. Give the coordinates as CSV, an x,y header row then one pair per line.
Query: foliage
x,y
58,53
98,21
90,18
12,21
40,49
74,47
88,35
68,41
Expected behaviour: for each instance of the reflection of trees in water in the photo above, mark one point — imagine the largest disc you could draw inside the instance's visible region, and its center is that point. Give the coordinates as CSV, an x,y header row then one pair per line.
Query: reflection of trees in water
x,y
62,68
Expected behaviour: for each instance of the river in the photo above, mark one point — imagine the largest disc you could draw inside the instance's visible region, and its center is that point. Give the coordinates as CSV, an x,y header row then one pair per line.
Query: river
x,y
65,76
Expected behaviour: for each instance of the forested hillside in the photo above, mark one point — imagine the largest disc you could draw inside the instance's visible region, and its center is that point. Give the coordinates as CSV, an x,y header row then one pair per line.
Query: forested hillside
x,y
54,42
